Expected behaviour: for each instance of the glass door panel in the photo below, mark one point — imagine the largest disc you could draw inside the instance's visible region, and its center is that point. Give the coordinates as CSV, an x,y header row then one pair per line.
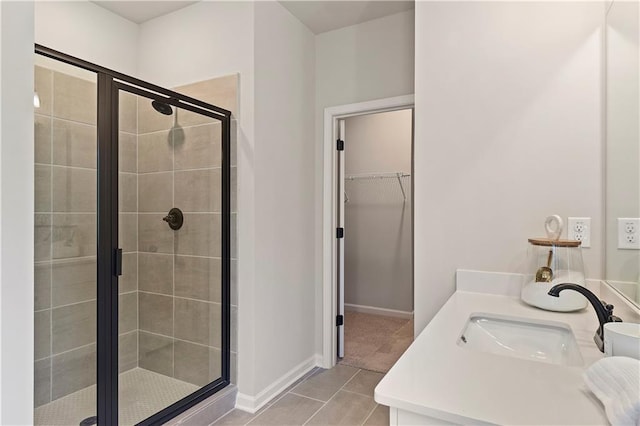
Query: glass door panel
x,y
65,115
170,228
163,270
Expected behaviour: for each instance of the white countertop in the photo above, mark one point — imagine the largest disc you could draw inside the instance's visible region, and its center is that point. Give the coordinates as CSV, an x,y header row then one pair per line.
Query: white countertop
x,y
435,377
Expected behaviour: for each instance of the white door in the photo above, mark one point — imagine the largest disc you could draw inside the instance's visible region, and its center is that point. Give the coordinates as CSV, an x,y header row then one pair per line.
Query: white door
x,y
340,238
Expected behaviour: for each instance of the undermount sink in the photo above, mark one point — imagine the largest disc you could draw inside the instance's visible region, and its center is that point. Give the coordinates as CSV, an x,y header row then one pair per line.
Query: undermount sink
x,y
543,341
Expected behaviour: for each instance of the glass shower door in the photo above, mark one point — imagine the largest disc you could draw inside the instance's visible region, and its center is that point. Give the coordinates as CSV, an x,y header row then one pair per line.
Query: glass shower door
x,y
65,106
170,231
132,247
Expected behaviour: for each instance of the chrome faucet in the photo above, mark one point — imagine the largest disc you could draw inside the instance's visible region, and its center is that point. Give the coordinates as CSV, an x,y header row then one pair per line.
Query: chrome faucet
x,y
604,311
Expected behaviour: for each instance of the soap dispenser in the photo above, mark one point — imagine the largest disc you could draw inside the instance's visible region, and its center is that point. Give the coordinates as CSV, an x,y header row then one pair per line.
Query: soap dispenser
x,y
553,261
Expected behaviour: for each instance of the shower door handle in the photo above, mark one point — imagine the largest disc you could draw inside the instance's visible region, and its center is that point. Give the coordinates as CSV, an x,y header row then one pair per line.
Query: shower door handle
x,y
118,262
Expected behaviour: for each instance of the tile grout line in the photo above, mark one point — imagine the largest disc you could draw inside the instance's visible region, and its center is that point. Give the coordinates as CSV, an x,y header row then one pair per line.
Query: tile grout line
x,y
51,246
68,120
332,396
137,241
371,412
303,396
62,260
283,394
178,255
173,235
186,127
269,404
195,169
356,393
178,297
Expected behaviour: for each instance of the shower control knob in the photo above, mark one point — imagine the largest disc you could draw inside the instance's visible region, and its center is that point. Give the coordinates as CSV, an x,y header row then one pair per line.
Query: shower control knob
x,y
175,219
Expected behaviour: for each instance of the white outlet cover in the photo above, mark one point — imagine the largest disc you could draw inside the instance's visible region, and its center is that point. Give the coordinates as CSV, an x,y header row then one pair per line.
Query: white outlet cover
x,y
629,233
579,228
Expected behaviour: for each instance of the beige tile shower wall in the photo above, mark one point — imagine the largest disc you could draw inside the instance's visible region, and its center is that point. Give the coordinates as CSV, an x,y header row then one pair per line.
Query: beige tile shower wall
x,y
179,165
128,230
65,237
222,92
65,205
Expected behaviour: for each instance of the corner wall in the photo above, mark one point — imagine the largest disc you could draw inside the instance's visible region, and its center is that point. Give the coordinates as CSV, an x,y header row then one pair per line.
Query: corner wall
x,y
16,220
507,132
87,31
284,268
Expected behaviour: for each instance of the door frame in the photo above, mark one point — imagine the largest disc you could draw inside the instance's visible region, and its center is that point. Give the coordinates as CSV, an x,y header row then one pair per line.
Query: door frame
x,y
329,209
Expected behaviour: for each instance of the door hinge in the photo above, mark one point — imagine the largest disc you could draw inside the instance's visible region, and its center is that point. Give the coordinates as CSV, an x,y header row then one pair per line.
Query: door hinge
x,y
339,232
118,262
339,320
340,145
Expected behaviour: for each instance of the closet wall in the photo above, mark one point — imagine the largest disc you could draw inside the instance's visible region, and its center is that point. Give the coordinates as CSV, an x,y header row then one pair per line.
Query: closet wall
x,y
378,264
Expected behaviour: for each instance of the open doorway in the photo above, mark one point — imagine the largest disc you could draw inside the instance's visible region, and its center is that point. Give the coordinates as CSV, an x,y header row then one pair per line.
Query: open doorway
x,y
374,248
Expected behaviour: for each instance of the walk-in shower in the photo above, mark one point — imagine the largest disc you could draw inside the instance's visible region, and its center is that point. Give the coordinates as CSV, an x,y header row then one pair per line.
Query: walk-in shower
x,y
132,247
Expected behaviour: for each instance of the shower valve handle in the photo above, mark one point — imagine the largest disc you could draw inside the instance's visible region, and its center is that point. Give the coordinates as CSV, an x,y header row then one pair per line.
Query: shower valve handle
x,y
175,219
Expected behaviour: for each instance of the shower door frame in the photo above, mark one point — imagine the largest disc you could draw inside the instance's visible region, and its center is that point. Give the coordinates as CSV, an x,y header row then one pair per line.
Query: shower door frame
x,y
109,255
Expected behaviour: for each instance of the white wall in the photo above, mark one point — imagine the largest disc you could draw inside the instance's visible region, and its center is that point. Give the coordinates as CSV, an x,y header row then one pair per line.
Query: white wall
x,y
16,220
623,148
378,239
89,32
379,142
507,131
362,62
284,219
204,40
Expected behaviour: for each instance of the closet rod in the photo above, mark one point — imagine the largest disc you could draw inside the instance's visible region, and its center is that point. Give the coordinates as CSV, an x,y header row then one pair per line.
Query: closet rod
x,y
395,175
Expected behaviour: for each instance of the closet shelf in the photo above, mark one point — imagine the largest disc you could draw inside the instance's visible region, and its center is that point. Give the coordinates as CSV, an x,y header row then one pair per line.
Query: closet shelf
x,y
380,176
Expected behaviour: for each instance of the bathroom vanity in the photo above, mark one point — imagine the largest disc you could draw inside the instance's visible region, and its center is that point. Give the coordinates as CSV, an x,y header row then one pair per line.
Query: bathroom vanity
x,y
459,370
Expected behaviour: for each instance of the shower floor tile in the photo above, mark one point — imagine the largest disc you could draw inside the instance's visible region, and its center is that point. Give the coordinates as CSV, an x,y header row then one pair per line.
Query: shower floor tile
x,y
142,393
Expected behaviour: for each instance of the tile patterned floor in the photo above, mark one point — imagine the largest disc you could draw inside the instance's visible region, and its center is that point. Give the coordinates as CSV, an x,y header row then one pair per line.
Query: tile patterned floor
x,y
142,393
375,342
342,395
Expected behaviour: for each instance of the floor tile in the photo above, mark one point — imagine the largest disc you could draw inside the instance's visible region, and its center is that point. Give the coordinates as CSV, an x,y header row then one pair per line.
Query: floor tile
x,y
345,408
364,382
234,418
324,385
379,417
375,342
315,371
289,410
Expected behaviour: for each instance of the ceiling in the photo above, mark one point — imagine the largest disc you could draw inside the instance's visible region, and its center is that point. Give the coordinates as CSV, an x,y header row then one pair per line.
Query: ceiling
x,y
141,11
318,16
323,16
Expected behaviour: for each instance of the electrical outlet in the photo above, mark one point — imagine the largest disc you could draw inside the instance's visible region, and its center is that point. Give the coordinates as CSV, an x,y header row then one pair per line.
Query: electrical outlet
x,y
629,233
580,230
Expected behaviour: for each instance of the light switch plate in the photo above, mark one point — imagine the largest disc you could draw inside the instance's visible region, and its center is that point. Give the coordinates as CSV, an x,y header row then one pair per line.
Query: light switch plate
x,y
629,233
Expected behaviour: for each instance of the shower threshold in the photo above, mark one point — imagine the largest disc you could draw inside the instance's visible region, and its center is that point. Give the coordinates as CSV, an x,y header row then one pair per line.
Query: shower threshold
x,y
142,393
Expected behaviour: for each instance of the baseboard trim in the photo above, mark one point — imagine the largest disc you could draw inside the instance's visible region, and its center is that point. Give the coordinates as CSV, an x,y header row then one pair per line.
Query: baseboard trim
x,y
378,311
251,404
